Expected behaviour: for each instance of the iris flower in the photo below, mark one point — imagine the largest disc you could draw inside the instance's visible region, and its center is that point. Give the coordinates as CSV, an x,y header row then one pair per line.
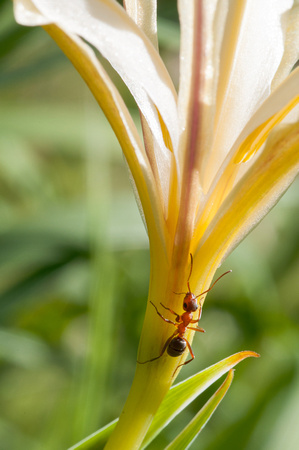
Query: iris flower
x,y
216,154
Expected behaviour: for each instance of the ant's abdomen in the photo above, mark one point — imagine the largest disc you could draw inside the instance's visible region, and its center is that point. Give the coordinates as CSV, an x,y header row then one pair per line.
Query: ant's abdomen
x,y
176,347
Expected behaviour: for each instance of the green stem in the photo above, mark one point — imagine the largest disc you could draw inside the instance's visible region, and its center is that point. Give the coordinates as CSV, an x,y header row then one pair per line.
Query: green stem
x,y
153,379
146,394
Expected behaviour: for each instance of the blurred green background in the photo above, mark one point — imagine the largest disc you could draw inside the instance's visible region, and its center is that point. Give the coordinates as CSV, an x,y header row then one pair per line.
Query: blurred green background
x,y
74,270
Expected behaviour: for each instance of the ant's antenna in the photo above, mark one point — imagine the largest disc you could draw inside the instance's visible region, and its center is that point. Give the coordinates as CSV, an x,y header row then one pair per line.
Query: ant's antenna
x,y
188,284
204,292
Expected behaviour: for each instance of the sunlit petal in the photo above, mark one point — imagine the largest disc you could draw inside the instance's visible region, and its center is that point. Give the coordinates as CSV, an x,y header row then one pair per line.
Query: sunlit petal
x,y
282,99
213,14
27,14
144,14
193,19
107,27
290,21
251,60
255,194
252,137
121,121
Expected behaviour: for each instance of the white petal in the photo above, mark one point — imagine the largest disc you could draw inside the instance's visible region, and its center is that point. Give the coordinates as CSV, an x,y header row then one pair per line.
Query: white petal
x,y
290,24
257,52
252,198
273,104
189,53
27,14
278,100
107,27
144,14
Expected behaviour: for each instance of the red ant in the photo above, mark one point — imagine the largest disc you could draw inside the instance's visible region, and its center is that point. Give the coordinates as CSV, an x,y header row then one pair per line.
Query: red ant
x,y
176,343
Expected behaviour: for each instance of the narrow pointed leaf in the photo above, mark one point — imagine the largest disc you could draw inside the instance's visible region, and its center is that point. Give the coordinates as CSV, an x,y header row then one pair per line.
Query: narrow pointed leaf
x,y
96,440
185,392
191,431
175,401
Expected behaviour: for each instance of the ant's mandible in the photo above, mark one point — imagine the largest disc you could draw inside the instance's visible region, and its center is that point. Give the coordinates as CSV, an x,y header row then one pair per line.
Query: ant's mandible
x,y
176,344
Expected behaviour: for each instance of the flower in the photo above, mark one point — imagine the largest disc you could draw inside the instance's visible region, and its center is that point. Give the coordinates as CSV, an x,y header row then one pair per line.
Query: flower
x,y
216,156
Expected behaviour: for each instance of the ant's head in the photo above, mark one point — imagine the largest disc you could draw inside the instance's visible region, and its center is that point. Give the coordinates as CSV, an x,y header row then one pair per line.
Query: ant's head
x,y
190,302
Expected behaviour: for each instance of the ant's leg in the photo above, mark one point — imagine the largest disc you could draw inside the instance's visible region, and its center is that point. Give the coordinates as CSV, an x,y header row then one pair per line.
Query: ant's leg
x,y
189,360
198,319
165,320
163,349
173,312
199,315
197,329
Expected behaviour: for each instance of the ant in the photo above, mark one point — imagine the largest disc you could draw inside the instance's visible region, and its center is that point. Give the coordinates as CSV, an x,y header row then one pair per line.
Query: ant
x,y
176,344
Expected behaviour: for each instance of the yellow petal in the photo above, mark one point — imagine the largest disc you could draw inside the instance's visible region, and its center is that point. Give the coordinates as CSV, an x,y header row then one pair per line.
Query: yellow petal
x,y
257,138
255,194
116,112
257,130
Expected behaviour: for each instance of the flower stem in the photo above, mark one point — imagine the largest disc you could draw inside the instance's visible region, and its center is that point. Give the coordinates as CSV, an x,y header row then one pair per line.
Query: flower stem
x,y
152,379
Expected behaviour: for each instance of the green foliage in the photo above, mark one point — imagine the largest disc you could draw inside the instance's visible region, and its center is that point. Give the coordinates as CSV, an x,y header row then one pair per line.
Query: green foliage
x,y
191,431
74,275
176,400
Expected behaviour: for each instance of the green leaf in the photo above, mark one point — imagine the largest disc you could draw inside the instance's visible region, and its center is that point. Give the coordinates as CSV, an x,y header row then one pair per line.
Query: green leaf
x,y
176,400
96,440
185,392
191,431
